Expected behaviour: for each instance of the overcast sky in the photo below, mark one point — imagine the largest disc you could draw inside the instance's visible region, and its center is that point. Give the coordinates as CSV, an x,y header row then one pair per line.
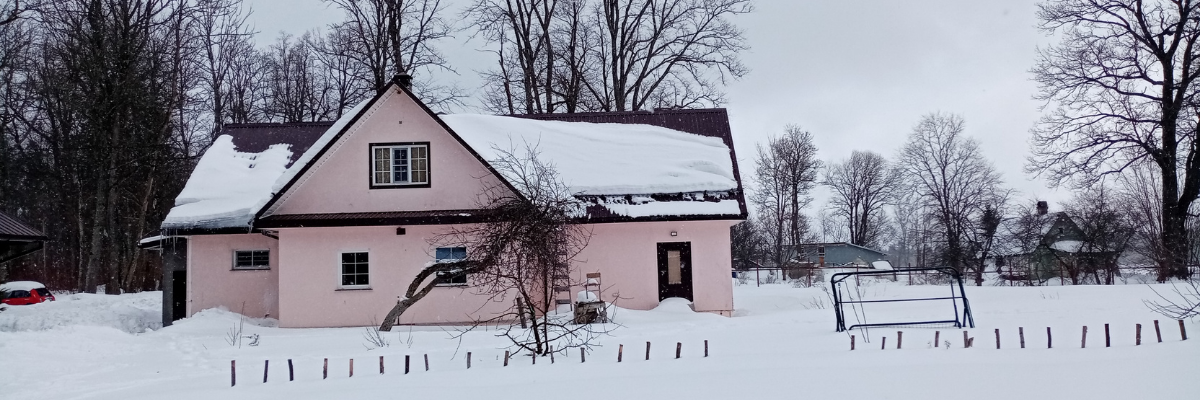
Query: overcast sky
x,y
858,74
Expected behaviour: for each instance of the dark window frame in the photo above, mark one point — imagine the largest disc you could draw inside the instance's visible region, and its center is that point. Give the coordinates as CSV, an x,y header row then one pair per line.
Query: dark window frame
x,y
252,267
461,279
364,262
428,166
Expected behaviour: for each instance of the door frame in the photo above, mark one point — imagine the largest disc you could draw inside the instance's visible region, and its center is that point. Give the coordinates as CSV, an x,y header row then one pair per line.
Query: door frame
x,y
686,287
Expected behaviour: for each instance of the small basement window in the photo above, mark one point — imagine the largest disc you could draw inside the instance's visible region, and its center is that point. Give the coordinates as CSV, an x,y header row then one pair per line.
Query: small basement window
x,y
355,270
400,165
252,259
452,254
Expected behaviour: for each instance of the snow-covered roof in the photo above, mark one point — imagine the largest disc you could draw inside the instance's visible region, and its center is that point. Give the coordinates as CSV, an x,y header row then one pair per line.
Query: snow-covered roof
x,y
20,285
606,159
629,161
1069,246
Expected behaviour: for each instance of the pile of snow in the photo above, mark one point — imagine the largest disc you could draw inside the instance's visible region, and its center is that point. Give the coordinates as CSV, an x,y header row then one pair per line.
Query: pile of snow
x,y
606,159
20,285
655,208
132,313
227,186
1069,246
882,265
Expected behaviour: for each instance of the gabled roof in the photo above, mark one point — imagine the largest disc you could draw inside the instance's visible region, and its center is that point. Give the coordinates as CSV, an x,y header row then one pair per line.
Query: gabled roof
x,y
704,173
14,230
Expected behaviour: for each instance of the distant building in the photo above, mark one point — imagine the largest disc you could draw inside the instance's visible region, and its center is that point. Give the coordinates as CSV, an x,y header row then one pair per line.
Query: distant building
x,y
17,239
837,254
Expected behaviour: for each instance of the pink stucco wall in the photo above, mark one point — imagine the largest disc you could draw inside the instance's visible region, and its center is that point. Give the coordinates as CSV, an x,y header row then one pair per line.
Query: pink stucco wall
x,y
212,281
339,182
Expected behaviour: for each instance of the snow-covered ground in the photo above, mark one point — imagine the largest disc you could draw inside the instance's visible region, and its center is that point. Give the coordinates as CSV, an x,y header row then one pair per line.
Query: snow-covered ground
x,y
780,344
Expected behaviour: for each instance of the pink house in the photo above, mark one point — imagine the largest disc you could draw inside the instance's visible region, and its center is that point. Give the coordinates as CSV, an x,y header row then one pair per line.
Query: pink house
x,y
325,224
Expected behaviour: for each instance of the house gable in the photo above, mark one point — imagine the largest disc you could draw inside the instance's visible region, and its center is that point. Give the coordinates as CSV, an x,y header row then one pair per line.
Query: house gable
x,y
338,180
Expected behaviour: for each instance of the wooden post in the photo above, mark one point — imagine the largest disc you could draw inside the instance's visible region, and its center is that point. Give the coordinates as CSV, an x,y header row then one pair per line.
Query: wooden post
x,y
521,312
899,339
232,373
1137,341
706,347
406,360
997,338
266,367
291,373
936,334
966,343
1049,338
1182,331
620,352
427,362
550,349
678,348
468,360
1157,332
325,370
582,356
971,342
533,357
851,342
1021,333
351,367
381,365
1107,339
1083,341
883,344
647,351
505,360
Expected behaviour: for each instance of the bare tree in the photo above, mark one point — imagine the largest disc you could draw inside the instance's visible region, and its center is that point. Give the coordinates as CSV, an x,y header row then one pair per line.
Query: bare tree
x,y
1121,86
224,36
785,171
748,245
946,168
1106,231
524,251
14,10
862,186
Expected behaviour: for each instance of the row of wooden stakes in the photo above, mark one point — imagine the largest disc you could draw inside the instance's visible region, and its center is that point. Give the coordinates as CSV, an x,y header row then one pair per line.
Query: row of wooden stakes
x,y
969,342
407,359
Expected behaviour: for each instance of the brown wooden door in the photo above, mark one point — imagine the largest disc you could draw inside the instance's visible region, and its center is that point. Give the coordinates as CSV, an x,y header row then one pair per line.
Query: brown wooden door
x,y
675,270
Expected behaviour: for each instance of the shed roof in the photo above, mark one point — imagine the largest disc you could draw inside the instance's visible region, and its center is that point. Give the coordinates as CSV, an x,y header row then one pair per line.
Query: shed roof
x,y
14,230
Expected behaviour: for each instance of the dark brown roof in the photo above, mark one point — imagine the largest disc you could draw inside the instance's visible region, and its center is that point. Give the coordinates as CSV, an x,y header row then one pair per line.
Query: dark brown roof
x,y
256,138
431,217
712,122
11,229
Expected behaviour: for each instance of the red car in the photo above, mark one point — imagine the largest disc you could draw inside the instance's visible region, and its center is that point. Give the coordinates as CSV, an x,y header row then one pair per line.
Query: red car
x,y
21,293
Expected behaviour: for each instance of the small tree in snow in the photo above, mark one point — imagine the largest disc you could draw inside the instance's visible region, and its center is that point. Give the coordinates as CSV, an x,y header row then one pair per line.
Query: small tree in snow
x,y
518,256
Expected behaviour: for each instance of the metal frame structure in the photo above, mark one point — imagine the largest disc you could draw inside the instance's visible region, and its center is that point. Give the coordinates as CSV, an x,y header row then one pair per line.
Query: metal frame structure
x,y
959,321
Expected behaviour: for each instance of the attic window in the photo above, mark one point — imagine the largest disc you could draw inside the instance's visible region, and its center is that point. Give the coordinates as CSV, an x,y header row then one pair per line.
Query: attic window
x,y
400,165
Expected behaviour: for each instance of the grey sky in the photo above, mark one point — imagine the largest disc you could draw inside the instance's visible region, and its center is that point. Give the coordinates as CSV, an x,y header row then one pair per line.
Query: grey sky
x,y
858,74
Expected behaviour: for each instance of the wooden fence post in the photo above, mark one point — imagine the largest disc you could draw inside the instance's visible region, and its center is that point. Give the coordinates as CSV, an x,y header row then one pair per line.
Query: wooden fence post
x,y
1157,332
997,338
381,365
899,339
1049,339
966,343
266,367
291,373
582,355
406,359
620,352
1083,340
936,334
427,362
325,370
505,361
851,342
550,349
1182,330
706,347
883,344
468,360
232,373
678,348
647,351
1107,338
1138,336
351,367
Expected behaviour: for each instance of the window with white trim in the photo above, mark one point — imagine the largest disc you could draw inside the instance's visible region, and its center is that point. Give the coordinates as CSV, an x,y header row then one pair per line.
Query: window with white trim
x,y
251,259
399,164
451,254
355,270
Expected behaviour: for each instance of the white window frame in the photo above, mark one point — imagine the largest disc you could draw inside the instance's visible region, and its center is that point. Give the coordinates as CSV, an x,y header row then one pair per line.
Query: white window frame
x,y
386,178
466,277
341,273
255,267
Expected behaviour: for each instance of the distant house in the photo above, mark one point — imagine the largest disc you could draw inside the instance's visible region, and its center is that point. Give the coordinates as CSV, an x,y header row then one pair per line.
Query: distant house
x,y
17,239
1064,250
325,224
837,254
